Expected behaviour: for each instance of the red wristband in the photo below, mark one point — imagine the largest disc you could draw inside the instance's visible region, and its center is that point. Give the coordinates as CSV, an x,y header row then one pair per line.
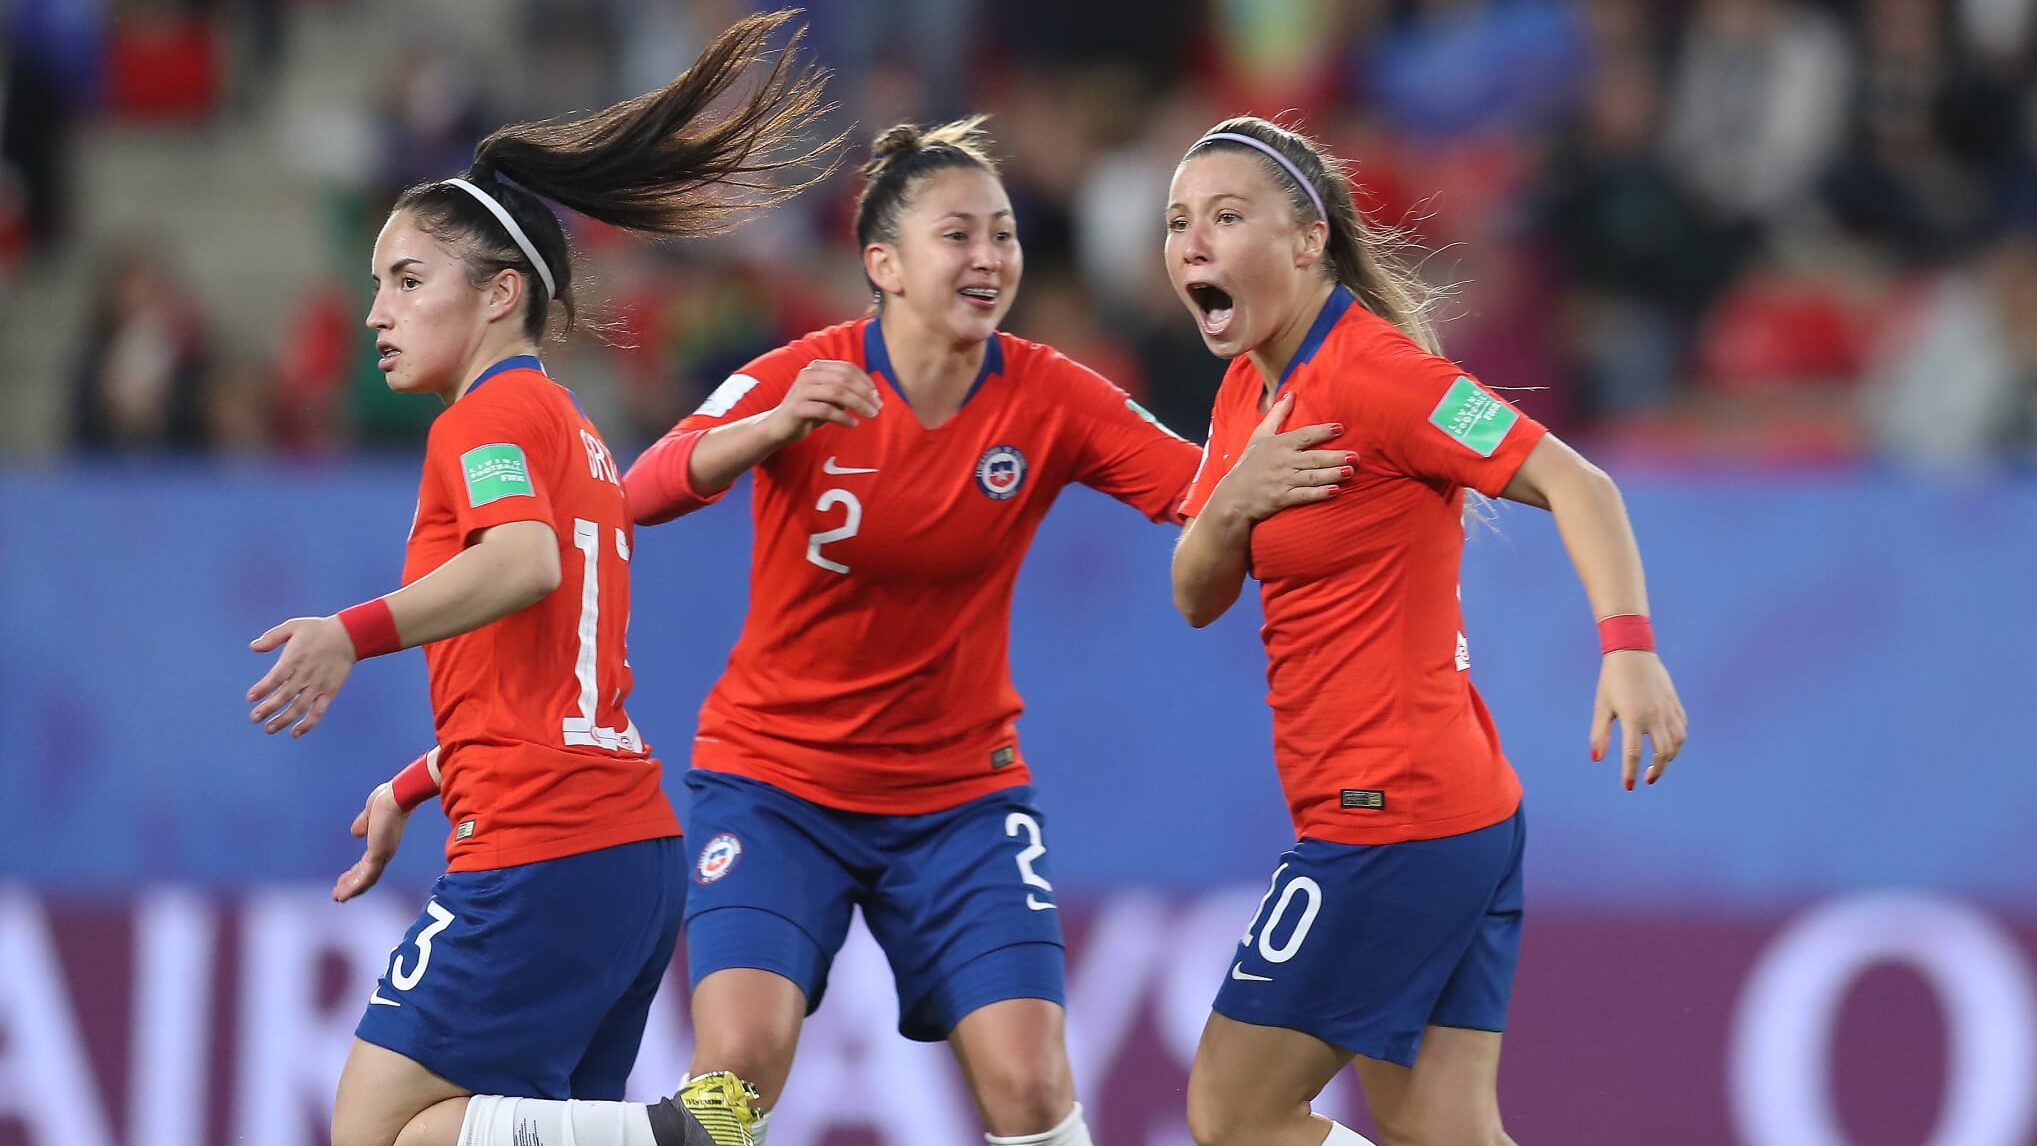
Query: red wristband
x,y
372,628
414,785
1628,631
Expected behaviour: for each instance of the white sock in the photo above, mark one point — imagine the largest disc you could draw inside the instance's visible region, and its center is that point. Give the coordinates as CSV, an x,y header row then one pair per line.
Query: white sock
x,y
758,1127
1342,1135
1072,1132
495,1120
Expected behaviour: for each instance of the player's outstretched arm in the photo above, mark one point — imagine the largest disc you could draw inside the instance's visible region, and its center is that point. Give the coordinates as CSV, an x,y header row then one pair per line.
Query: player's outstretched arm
x,y
1276,470
1633,687
509,567
686,469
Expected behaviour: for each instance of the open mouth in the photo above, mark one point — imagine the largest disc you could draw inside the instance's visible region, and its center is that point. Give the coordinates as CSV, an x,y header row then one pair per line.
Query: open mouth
x,y
386,356
1213,306
981,296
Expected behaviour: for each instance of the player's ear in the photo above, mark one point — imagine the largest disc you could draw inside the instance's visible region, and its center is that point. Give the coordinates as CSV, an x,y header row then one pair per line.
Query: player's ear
x,y
1309,243
505,295
880,262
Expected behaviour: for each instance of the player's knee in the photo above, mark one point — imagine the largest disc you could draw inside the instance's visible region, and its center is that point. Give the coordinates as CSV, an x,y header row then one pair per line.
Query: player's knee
x,y
755,1053
1218,1117
1215,1124
1021,1095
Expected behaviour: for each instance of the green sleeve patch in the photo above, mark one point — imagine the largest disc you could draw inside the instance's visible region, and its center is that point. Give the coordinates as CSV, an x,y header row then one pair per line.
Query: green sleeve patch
x,y
1474,417
494,472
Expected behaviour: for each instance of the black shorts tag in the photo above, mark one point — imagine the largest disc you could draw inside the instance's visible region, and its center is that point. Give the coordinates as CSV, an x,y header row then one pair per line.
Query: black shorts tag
x,y
1001,757
1364,798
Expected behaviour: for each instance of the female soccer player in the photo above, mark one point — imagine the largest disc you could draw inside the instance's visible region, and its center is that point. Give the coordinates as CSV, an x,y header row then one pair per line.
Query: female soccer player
x,y
860,750
1390,930
531,968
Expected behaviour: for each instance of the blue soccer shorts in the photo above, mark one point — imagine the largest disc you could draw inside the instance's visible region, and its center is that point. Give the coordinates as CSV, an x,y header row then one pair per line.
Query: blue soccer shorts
x,y
535,980
959,900
1365,946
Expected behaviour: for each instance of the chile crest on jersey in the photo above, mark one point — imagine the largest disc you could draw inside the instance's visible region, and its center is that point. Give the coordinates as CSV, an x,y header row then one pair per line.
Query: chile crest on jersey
x,y
1001,471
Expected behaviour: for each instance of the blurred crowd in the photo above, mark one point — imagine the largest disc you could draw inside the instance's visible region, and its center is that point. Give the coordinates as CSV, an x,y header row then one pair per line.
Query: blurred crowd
x,y
1781,232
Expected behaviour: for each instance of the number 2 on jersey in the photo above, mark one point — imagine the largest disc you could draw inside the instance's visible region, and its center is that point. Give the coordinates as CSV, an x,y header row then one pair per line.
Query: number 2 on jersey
x,y
582,729
842,532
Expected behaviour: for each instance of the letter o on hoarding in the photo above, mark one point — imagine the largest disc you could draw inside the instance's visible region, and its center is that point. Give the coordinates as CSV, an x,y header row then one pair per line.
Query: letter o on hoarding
x,y
1778,1072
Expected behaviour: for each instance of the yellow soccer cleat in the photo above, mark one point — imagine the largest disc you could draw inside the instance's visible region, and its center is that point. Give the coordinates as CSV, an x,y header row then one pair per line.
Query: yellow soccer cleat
x,y
725,1106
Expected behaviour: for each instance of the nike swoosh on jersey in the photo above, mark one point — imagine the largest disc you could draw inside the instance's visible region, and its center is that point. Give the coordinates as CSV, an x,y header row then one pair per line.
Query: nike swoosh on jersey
x,y
1033,901
1239,973
829,467
376,999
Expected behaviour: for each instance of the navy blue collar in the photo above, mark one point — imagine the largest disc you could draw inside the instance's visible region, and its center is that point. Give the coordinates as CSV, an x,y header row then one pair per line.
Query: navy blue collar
x,y
1340,300
513,362
877,360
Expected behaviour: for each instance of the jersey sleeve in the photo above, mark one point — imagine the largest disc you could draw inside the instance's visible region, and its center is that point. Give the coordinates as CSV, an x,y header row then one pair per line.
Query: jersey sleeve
x,y
1215,463
758,386
495,455
1432,421
1126,452
660,482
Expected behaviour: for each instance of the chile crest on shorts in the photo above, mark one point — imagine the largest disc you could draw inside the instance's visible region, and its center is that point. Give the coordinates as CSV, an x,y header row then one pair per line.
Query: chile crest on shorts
x,y
1001,471
719,857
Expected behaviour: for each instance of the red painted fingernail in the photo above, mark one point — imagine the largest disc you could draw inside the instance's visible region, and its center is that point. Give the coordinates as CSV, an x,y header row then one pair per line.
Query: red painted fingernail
x,y
1334,490
1597,754
1630,785
1336,429
1350,459
1345,472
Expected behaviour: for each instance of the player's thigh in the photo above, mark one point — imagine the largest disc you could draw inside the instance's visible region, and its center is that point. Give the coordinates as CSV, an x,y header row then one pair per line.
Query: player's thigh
x,y
1014,1055
774,879
747,1021
1451,1094
380,1092
965,911
1253,1083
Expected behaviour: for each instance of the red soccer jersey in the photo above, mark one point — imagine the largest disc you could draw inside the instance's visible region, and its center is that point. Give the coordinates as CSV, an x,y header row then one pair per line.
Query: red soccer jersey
x,y
537,758
1377,731
872,674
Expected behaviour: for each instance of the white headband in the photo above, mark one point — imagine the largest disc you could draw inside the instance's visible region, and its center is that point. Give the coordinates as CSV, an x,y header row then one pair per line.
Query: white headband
x,y
523,242
1286,164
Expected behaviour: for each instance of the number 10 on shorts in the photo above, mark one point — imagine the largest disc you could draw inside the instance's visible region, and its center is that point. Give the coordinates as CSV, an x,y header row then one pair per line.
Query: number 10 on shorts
x,y
1300,885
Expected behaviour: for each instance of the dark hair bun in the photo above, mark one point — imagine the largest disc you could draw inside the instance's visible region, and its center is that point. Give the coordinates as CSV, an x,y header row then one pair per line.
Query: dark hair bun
x,y
893,144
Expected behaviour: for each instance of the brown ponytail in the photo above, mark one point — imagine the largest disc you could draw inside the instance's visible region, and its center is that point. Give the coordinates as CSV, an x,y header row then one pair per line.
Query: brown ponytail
x,y
1359,255
663,164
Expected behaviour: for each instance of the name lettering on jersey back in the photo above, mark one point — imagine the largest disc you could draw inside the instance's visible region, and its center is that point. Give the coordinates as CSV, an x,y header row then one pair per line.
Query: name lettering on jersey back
x,y
600,463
